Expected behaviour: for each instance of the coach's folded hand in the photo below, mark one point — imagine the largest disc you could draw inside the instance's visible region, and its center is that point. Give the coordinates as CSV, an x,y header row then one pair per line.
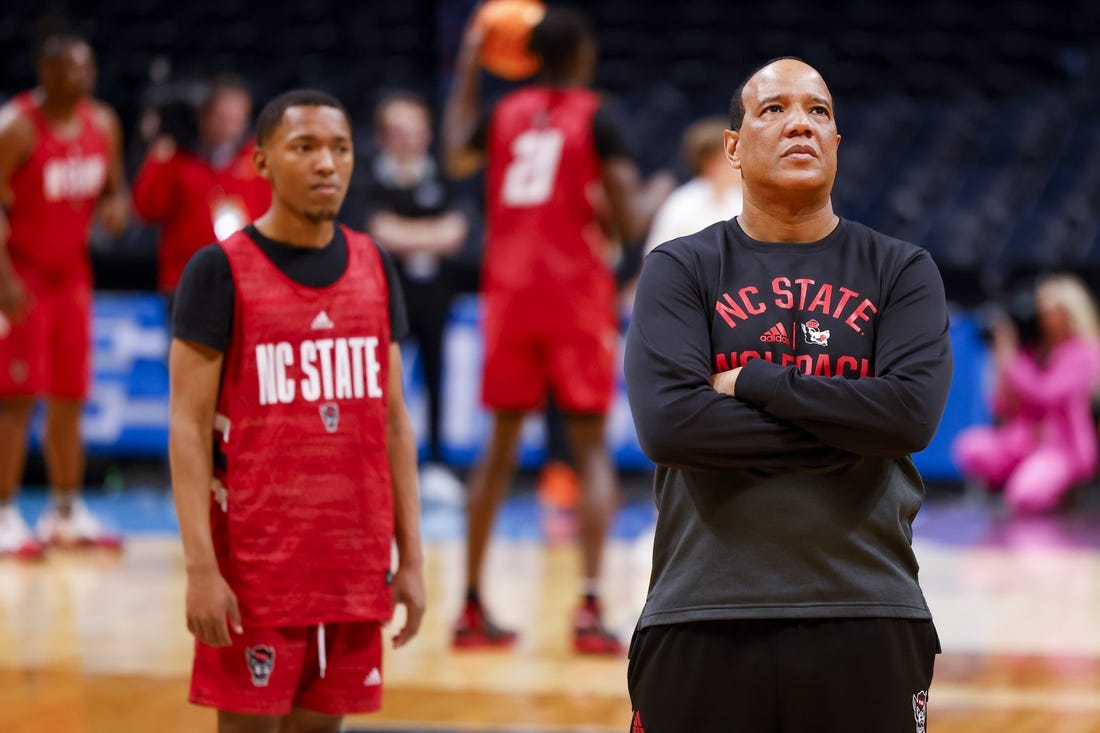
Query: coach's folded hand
x,y
210,604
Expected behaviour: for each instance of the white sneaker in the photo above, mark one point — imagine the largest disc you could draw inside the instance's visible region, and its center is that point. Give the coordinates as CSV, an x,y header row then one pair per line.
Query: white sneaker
x,y
16,539
438,485
81,527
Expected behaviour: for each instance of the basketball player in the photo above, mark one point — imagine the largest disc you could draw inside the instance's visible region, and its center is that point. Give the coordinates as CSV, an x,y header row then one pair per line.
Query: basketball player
x,y
60,163
548,293
781,368
285,355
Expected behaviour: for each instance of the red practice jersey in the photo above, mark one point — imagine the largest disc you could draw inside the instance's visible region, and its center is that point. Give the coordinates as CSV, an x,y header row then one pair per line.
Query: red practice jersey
x,y
546,253
304,534
54,196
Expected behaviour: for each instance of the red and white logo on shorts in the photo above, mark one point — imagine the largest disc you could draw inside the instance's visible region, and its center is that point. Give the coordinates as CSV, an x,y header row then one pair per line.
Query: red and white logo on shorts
x,y
920,710
19,371
261,662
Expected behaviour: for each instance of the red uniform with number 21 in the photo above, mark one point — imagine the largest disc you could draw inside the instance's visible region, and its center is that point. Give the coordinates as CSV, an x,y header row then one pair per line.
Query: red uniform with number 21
x,y
547,288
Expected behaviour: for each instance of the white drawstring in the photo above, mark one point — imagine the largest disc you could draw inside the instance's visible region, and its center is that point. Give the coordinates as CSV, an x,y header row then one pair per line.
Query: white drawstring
x,y
321,649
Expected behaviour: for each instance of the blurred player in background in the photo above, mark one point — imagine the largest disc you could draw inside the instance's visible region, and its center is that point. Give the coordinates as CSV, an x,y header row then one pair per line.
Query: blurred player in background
x,y
285,354
202,190
60,164
548,292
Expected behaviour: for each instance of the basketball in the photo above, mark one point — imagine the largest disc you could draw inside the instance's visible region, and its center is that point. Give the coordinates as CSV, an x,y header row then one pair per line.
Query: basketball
x,y
507,25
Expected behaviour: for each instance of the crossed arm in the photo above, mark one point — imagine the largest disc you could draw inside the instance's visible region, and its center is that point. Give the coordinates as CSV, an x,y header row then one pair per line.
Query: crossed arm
x,y
680,419
780,418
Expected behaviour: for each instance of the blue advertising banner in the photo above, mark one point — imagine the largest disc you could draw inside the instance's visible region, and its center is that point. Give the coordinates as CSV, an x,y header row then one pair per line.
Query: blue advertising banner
x,y
127,411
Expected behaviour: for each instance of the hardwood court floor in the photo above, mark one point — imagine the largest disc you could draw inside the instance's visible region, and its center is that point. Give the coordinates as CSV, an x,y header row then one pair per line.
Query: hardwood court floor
x,y
95,643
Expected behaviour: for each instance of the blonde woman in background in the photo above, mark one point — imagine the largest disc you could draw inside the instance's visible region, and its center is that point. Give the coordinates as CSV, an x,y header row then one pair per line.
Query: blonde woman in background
x,y
1045,440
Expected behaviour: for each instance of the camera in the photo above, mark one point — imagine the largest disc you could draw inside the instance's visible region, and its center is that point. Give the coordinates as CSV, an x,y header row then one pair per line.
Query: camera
x,y
176,105
1018,306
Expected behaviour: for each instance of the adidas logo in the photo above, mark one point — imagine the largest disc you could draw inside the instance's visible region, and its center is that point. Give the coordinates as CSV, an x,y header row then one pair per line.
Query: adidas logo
x,y
636,723
373,679
777,334
322,321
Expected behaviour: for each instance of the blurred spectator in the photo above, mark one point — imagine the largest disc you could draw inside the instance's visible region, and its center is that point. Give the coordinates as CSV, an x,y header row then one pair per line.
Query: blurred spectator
x,y
412,212
202,189
60,163
713,194
1045,438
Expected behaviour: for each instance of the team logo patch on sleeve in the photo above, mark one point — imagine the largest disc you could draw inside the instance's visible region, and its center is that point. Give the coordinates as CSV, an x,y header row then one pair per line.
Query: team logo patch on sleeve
x,y
920,710
261,662
330,416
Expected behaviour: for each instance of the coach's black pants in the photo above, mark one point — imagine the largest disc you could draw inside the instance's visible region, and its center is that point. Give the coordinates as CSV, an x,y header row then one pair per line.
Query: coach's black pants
x,y
782,676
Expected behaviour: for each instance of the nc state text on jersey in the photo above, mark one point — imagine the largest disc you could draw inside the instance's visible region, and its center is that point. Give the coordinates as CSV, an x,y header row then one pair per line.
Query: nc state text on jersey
x,y
332,368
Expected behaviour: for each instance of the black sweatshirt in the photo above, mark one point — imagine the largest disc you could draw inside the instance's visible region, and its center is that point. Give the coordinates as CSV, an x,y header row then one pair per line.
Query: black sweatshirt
x,y
794,499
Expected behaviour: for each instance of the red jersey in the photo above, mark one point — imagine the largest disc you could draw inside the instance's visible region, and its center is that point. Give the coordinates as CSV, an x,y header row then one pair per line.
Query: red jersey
x,y
545,251
305,533
54,195
196,204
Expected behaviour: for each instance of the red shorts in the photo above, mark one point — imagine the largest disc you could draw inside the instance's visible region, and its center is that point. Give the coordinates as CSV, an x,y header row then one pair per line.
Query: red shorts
x,y
270,671
521,364
48,353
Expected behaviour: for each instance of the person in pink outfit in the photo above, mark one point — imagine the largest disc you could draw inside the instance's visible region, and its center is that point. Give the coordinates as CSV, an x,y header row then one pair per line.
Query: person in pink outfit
x,y
1045,439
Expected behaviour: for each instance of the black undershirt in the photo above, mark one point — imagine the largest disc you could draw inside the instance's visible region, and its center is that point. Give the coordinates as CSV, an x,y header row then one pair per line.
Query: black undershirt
x,y
203,308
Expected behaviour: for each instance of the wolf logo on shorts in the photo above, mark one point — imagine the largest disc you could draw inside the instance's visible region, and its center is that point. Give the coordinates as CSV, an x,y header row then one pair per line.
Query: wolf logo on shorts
x,y
261,662
920,710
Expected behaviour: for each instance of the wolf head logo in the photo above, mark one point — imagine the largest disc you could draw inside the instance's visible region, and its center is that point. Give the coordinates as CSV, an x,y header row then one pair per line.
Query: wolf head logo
x,y
814,334
261,662
920,710
330,416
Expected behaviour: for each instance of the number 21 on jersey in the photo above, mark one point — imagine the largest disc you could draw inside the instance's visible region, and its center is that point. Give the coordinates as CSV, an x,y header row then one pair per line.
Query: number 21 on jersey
x,y
529,179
